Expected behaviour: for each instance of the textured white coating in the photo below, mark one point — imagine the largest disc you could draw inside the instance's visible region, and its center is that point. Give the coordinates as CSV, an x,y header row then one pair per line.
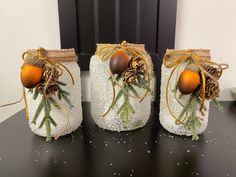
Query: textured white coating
x,y
101,97
75,114
167,121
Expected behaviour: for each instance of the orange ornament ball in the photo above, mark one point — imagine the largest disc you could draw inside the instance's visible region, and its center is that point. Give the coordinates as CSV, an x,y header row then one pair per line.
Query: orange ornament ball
x,y
188,81
119,61
31,75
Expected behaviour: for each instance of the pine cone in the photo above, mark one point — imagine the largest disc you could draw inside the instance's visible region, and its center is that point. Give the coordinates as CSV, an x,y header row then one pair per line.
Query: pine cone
x,y
138,65
212,89
53,75
215,72
129,76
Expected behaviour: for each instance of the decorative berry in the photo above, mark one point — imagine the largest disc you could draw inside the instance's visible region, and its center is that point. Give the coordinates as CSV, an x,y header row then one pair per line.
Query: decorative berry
x,y
188,82
31,74
119,61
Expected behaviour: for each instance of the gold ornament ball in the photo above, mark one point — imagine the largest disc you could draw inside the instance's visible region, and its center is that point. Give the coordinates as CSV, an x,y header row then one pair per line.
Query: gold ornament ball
x,y
31,75
119,61
188,81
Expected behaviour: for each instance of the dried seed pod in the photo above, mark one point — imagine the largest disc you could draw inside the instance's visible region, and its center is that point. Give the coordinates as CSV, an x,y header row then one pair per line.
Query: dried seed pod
x,y
129,76
50,76
188,81
215,72
119,62
138,65
212,89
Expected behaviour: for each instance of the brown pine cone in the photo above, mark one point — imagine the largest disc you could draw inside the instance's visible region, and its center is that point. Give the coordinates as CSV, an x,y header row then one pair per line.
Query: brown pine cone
x,y
51,89
138,65
53,75
215,72
212,89
47,73
129,76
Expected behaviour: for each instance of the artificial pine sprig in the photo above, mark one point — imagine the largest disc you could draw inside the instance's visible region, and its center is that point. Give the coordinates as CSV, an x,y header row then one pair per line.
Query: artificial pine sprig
x,y
188,115
126,108
45,104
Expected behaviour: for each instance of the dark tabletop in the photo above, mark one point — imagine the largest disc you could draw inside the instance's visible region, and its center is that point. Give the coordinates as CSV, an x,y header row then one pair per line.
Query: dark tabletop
x,y
146,152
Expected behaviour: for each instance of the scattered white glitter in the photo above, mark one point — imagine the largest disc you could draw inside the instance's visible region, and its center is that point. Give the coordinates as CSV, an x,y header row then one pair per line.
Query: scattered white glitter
x,y
145,142
186,163
202,155
197,174
105,144
46,150
0,158
178,164
130,174
65,162
227,175
55,161
206,141
124,142
111,164
148,151
155,141
36,160
132,170
90,142
129,150
188,150
114,174
171,152
63,150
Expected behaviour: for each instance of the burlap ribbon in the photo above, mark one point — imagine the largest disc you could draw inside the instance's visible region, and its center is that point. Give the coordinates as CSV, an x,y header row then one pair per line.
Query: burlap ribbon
x,y
174,58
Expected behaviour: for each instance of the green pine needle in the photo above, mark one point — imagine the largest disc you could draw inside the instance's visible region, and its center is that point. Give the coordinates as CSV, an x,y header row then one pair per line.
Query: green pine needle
x,y
42,123
54,102
35,95
59,95
67,100
48,129
61,83
52,121
38,111
131,88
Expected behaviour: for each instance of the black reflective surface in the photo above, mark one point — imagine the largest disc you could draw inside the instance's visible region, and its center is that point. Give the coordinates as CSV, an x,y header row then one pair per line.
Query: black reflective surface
x,y
146,152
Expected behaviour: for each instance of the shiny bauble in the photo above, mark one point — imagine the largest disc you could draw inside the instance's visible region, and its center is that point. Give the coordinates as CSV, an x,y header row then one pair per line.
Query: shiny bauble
x,y
119,61
31,75
189,81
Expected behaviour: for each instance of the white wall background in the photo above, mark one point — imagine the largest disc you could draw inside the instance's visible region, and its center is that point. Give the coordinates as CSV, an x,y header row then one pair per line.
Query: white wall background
x,y
32,23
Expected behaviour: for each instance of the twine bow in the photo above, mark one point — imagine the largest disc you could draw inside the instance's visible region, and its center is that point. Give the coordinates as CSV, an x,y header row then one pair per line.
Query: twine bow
x,y
174,58
105,51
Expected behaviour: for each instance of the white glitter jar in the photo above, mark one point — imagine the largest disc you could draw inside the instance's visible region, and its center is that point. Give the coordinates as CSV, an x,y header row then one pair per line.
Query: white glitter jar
x,y
67,118
102,93
166,119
